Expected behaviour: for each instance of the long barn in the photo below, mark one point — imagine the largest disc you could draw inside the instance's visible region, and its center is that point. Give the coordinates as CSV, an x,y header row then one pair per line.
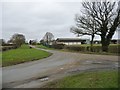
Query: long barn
x,y
72,41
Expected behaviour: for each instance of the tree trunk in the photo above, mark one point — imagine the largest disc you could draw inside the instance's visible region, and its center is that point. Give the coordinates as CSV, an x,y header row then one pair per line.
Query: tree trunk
x,y
105,47
105,39
91,49
105,43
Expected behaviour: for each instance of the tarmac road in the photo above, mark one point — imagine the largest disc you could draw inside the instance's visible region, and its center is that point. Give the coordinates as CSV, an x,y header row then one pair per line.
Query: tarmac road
x,y
34,74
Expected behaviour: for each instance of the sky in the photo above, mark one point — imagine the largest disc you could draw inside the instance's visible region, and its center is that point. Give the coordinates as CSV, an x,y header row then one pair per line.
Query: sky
x,y
34,18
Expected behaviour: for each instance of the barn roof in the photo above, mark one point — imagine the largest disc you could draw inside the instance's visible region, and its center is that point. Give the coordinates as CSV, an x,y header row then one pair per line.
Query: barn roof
x,y
70,39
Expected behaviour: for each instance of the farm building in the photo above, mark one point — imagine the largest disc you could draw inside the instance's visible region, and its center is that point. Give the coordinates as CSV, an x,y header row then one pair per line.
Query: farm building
x,y
72,41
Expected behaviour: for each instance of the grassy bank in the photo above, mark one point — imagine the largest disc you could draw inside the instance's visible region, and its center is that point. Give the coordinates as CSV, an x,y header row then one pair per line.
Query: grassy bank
x,y
41,46
44,47
22,54
99,79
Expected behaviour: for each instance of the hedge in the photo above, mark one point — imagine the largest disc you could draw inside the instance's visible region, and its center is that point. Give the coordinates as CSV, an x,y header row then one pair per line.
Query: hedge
x,y
58,46
96,48
75,48
5,48
114,48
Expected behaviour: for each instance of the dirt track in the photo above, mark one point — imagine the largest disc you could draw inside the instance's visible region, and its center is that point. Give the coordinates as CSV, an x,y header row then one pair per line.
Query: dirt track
x,y
37,73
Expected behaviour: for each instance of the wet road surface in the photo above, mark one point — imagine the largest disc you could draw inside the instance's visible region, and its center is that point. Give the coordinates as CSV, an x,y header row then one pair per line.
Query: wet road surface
x,y
36,73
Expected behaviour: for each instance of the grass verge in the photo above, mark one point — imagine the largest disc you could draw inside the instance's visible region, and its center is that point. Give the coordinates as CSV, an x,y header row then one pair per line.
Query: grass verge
x,y
99,79
22,54
114,49
43,47
87,52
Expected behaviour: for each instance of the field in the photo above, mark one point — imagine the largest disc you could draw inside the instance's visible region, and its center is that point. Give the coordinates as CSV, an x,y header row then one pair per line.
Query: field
x,y
99,79
22,54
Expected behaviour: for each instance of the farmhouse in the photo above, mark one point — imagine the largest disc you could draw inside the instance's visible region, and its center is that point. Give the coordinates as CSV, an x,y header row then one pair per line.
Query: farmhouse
x,y
72,41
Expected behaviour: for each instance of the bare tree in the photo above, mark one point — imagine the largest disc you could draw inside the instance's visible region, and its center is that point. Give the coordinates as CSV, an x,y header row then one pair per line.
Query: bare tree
x,y
2,42
85,26
107,17
17,39
48,38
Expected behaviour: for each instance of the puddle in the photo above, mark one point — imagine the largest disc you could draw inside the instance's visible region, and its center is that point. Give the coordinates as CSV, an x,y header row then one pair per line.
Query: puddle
x,y
44,78
61,68
92,62
87,62
96,62
116,64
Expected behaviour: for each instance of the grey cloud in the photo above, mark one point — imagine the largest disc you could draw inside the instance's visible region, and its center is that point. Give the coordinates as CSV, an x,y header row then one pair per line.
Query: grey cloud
x,y
35,19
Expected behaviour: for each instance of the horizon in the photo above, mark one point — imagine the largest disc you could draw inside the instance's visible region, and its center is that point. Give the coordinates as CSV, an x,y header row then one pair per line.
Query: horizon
x,y
37,18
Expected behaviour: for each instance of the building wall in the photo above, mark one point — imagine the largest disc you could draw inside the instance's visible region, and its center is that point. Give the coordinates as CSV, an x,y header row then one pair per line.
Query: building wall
x,y
71,43
87,41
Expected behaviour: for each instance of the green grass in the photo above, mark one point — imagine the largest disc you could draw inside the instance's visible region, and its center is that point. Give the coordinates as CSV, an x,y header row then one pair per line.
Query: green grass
x,y
43,47
22,54
88,52
94,45
113,49
99,79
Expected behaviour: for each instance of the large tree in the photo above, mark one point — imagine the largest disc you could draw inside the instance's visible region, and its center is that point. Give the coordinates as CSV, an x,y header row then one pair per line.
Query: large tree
x,y
106,14
17,39
85,26
48,38
2,42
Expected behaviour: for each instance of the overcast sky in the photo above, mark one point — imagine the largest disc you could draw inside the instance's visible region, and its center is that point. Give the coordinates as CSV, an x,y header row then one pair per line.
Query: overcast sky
x,y
33,19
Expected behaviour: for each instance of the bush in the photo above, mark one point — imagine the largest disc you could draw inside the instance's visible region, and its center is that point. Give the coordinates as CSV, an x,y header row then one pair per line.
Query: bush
x,y
114,49
5,48
8,47
97,49
76,48
58,46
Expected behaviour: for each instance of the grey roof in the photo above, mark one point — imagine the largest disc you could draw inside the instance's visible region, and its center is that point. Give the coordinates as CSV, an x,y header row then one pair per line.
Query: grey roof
x,y
70,39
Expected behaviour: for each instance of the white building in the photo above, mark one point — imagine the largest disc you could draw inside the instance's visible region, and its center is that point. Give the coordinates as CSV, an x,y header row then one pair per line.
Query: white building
x,y
72,41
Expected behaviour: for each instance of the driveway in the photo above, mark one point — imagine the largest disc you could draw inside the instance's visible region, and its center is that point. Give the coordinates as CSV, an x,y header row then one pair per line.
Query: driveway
x,y
37,73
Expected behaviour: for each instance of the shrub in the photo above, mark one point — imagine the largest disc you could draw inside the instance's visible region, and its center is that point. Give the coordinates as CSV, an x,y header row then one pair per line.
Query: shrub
x,y
96,48
8,47
76,48
58,46
114,49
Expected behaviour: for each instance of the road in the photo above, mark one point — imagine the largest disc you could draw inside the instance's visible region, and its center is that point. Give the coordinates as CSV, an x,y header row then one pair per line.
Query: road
x,y
37,73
